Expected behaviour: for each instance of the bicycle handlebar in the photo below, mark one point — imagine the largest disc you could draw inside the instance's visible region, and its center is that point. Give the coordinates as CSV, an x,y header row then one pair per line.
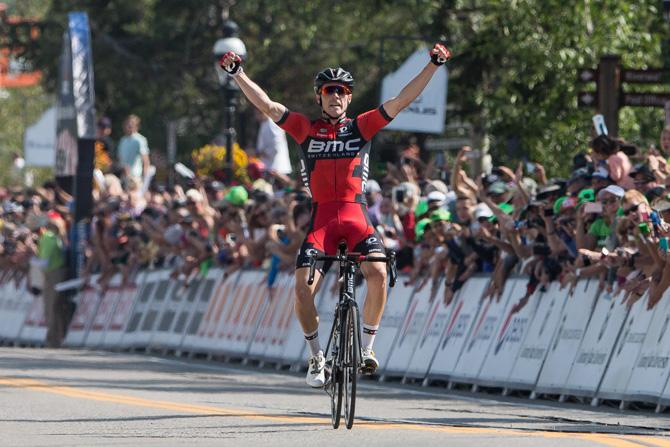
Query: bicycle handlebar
x,y
356,258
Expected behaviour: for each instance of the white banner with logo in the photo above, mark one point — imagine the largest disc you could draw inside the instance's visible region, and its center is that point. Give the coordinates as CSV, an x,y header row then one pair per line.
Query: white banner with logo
x,y
87,301
432,331
122,313
397,303
460,324
427,112
410,332
15,303
154,307
552,372
209,335
181,306
596,348
626,351
516,329
131,332
276,326
268,323
653,364
484,331
103,314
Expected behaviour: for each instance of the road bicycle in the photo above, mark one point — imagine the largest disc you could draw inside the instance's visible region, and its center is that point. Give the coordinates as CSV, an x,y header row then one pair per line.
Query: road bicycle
x,y
343,351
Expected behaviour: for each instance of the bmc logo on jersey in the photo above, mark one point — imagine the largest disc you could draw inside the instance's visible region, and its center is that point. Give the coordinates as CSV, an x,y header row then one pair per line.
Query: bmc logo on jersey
x,y
316,147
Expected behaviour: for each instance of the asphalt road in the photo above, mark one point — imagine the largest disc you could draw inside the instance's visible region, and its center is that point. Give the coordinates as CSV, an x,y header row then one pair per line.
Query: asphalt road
x,y
82,398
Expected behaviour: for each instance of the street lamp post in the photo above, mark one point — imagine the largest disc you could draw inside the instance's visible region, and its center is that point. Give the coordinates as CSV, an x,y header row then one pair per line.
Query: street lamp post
x,y
229,42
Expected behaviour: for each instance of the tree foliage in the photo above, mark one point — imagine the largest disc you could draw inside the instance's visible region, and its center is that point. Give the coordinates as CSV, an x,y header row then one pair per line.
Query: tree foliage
x,y
513,74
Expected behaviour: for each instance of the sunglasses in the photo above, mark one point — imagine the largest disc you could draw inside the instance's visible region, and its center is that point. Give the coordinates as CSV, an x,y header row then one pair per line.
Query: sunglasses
x,y
630,210
332,89
608,201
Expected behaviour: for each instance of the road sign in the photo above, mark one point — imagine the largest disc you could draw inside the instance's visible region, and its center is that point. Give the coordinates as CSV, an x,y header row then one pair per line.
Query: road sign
x,y
587,75
645,99
649,76
587,99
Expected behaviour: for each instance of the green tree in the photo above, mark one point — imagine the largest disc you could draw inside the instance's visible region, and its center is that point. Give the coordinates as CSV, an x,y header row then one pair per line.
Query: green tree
x,y
513,74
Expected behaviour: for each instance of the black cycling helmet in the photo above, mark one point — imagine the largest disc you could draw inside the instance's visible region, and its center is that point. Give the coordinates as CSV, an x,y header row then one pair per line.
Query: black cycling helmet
x,y
339,75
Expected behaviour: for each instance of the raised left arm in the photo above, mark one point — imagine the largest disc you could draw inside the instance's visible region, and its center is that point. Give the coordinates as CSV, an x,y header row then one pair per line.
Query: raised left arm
x,y
438,56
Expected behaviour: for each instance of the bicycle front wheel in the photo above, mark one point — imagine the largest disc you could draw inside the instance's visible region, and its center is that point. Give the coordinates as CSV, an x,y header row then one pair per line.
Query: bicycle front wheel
x,y
351,350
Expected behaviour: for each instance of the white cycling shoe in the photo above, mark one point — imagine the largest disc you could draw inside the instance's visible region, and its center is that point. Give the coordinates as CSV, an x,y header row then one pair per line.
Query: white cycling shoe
x,y
370,362
316,376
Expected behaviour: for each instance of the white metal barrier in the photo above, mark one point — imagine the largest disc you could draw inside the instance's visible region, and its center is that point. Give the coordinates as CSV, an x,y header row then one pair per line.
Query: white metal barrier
x,y
588,343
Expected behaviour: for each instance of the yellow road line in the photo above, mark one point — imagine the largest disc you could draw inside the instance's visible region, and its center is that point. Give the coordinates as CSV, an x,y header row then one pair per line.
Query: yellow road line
x,y
40,386
628,441
660,442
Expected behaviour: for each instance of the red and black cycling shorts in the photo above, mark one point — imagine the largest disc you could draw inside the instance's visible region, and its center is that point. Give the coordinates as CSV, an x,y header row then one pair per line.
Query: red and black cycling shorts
x,y
333,222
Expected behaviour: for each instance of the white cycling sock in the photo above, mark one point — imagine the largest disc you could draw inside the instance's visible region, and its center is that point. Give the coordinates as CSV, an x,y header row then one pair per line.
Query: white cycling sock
x,y
313,342
369,333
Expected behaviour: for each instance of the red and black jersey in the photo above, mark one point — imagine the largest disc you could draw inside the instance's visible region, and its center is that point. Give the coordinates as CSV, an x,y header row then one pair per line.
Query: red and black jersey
x,y
335,158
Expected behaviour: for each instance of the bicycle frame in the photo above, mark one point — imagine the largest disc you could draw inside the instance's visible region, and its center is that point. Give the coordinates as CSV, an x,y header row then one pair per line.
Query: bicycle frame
x,y
344,350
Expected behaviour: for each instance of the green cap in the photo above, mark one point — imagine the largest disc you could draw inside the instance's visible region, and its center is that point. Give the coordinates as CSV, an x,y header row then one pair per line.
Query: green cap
x,y
558,203
420,228
237,195
506,208
421,208
440,214
586,195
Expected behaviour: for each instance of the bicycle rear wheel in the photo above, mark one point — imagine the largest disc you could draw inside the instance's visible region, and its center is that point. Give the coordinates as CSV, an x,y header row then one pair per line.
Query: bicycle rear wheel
x,y
351,362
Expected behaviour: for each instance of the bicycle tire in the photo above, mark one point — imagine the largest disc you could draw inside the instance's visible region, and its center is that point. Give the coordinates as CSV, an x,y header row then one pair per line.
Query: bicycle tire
x,y
336,383
350,375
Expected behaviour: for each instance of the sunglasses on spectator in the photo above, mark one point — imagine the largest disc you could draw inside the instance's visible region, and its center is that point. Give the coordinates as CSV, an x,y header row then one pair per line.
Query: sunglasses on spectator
x,y
609,201
630,210
332,89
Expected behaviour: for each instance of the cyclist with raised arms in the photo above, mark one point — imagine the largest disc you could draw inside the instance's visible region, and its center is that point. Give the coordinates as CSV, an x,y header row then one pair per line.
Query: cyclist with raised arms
x,y
334,165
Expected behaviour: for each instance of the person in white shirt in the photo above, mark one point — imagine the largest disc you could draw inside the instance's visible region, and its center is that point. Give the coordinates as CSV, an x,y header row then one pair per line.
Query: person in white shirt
x,y
133,150
271,145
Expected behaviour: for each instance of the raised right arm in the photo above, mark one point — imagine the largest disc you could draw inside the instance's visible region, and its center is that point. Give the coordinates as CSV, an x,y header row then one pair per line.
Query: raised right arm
x,y
231,63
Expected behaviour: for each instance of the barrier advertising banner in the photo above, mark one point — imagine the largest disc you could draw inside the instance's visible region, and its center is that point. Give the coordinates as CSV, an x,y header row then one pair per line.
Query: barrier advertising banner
x,y
178,309
653,364
626,351
283,323
484,332
397,303
88,300
294,347
103,314
208,336
531,323
467,305
250,291
34,328
122,313
552,374
596,347
154,307
147,290
269,321
409,333
431,333
193,311
15,303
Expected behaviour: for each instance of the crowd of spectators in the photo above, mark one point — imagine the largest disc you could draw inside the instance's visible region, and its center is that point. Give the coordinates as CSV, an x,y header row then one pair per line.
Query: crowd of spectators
x,y
607,221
